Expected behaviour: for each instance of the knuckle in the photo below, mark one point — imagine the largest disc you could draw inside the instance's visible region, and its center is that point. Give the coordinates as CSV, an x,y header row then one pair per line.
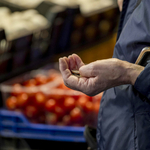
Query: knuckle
x,y
92,69
115,60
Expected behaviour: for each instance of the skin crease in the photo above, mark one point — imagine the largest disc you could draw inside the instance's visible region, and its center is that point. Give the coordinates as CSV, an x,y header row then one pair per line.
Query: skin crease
x,y
99,75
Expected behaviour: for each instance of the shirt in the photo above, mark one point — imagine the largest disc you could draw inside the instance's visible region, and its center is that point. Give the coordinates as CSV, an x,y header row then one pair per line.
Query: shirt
x,y
124,115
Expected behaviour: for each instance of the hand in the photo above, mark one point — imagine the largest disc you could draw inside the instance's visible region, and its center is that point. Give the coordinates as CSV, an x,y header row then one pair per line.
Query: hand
x,y
120,3
99,75
73,62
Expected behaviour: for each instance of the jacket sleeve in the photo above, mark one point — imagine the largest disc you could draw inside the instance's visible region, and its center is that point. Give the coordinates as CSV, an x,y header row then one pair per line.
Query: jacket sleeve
x,y
142,83
134,37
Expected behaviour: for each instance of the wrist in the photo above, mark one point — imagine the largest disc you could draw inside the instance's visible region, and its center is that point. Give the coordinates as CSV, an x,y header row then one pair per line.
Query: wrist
x,y
132,71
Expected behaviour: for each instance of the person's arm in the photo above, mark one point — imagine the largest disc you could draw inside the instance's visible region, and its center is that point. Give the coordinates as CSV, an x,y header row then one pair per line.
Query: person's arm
x,y
142,83
99,75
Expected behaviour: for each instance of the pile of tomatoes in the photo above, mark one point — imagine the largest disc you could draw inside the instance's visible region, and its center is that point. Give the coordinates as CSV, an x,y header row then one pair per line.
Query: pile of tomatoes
x,y
45,99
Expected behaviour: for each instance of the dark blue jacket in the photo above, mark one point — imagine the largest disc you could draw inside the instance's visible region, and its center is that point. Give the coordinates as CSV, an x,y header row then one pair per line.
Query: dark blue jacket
x,y
124,116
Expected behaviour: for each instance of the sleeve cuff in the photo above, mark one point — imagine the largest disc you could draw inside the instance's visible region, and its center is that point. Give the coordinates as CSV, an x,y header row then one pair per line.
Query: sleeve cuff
x,y
142,83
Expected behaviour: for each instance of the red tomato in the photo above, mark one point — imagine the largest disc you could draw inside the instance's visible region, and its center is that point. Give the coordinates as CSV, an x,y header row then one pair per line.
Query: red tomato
x,y
29,83
22,100
59,111
62,86
16,89
58,95
53,75
42,118
69,103
31,111
11,103
75,95
88,107
76,115
66,120
39,100
31,93
96,107
88,97
50,105
60,124
51,119
77,125
81,102
33,120
98,97
41,79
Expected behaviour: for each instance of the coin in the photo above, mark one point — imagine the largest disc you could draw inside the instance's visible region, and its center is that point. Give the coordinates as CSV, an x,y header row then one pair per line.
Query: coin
x,y
76,73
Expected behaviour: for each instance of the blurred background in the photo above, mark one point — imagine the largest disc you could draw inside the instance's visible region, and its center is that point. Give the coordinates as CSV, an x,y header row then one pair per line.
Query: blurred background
x,y
37,111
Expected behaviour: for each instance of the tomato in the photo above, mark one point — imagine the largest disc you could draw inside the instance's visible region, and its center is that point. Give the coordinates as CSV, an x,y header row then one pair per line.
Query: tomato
x,y
69,103
50,105
51,119
98,97
11,103
75,94
42,118
59,111
76,115
65,87
81,102
39,100
62,86
66,120
96,107
22,100
77,124
29,83
16,89
31,111
88,97
58,95
41,79
31,93
53,75
88,107
60,124
34,120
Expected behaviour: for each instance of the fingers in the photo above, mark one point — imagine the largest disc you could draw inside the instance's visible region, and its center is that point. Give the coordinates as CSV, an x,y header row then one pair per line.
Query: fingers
x,y
64,68
83,84
75,62
66,65
78,61
88,70
63,65
72,63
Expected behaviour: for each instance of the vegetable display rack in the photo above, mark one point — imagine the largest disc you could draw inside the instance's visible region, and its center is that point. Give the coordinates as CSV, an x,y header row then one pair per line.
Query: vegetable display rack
x,y
14,124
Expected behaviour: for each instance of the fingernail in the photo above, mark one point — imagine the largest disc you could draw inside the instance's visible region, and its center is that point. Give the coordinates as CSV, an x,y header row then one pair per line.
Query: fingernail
x,y
60,59
74,54
64,57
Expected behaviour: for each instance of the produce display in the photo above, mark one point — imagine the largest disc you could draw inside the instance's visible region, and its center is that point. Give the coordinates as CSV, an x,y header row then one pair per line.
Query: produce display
x,y
25,3
18,24
45,99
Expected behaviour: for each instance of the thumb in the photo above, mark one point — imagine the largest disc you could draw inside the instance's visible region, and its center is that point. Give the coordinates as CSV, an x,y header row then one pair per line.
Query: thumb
x,y
87,71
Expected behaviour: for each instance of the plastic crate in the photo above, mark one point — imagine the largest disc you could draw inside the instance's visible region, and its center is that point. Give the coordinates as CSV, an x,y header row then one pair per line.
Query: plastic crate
x,y
14,124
